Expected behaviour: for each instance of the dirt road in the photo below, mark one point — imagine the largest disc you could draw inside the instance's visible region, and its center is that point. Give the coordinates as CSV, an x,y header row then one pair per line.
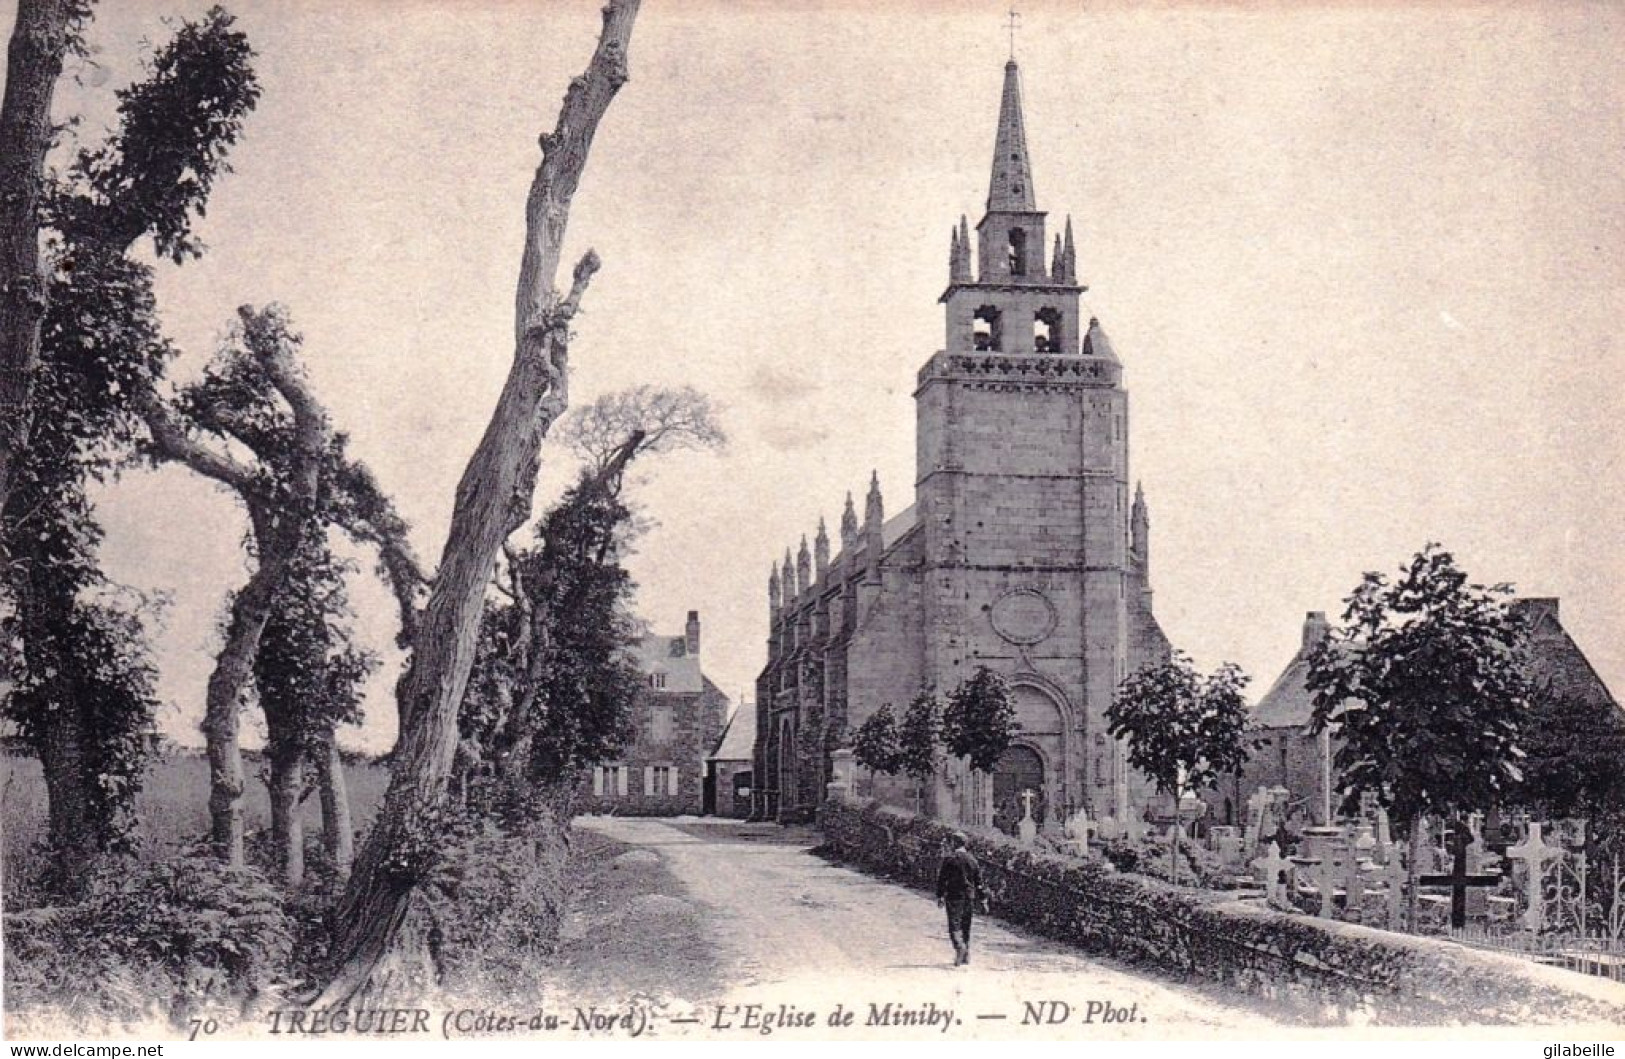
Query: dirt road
x,y
794,934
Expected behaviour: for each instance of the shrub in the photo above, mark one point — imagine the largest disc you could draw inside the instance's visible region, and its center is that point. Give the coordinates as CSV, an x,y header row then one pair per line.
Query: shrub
x,y
148,940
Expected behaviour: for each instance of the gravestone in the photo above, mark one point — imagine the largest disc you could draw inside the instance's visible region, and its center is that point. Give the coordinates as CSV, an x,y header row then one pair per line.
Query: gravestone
x,y
1324,872
1459,880
1226,843
1534,853
1078,831
1267,869
1385,838
1027,829
1393,875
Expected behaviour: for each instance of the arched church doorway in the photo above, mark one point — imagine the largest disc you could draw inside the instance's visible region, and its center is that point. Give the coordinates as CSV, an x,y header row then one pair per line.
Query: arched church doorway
x,y
1018,769
787,764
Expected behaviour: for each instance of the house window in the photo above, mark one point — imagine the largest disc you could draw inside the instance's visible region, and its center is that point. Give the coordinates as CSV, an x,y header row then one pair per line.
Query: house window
x,y
660,724
659,781
657,681
609,781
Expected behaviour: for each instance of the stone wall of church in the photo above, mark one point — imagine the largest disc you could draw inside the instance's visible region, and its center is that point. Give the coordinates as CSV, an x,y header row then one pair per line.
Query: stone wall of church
x,y
884,654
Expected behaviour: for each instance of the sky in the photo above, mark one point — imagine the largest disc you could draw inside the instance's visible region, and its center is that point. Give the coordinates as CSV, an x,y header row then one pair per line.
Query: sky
x,y
1364,265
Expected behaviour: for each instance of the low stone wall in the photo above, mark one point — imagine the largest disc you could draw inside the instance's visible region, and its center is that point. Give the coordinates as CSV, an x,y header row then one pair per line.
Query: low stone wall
x,y
1316,970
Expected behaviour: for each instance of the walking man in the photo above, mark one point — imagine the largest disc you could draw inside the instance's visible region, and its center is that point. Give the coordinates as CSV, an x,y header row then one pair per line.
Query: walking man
x,y
958,883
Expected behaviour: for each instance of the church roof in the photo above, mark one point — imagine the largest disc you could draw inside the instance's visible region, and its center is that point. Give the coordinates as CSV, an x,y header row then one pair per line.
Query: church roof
x,y
896,527
1011,188
738,742
1289,703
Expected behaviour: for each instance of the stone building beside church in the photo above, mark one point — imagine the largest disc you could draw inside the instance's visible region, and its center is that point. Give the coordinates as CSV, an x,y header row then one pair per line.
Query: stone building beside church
x,y
676,722
1022,551
1286,754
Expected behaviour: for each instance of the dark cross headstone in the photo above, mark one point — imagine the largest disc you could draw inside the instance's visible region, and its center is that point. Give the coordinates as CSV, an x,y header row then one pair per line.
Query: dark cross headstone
x,y
1458,880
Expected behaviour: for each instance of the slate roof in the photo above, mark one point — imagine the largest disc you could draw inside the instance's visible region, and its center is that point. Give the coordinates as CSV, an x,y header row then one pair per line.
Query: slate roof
x,y
738,742
1288,703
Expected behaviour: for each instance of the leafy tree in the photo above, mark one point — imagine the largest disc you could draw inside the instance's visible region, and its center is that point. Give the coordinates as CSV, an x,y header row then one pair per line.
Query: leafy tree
x,y
1424,687
552,690
874,744
1184,729
101,351
46,31
253,424
1573,747
919,735
309,674
979,719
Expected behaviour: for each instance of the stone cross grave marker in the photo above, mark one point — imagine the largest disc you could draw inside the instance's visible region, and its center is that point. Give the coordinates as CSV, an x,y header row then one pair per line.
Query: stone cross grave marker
x,y
1459,879
1385,837
1028,827
1327,870
1393,874
1269,868
1354,887
1078,830
1534,852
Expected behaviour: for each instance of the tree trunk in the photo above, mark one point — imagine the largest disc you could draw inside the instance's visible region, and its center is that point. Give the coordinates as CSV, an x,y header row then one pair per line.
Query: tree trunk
x,y
33,65
1412,871
62,759
249,613
1173,854
493,499
338,829
287,822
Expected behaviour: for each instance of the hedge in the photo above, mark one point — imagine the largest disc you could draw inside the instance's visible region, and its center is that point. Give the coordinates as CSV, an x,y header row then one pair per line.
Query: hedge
x,y
1316,970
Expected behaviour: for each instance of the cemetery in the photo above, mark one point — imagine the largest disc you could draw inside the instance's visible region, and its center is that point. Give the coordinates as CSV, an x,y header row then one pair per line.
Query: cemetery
x,y
1511,917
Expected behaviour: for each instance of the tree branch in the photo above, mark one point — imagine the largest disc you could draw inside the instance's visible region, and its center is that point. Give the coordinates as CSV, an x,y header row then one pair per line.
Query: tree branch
x,y
171,442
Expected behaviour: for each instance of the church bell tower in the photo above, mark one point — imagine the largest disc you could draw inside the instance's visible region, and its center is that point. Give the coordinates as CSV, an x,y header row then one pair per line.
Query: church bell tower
x,y
1022,487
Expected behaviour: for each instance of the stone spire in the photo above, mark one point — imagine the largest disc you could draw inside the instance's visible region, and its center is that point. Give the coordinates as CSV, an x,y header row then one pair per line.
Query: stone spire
x,y
1057,266
774,599
789,578
1096,344
849,526
1069,257
803,567
1140,529
1011,188
959,253
821,551
874,517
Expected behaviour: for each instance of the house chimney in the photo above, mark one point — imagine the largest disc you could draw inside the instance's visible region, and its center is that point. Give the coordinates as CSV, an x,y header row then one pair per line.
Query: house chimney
x,y
1315,629
692,632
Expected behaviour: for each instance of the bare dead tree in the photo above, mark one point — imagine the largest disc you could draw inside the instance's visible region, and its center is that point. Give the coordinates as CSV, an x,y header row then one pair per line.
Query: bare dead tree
x,y
493,500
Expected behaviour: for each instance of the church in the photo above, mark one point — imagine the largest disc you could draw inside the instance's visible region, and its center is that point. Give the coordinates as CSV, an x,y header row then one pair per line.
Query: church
x,y
1022,551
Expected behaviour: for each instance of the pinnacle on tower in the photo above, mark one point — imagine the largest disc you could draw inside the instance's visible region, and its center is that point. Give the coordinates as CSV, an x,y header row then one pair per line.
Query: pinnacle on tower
x,y
821,550
1069,256
1096,344
774,599
874,512
803,567
789,578
849,525
1057,268
959,254
1011,188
